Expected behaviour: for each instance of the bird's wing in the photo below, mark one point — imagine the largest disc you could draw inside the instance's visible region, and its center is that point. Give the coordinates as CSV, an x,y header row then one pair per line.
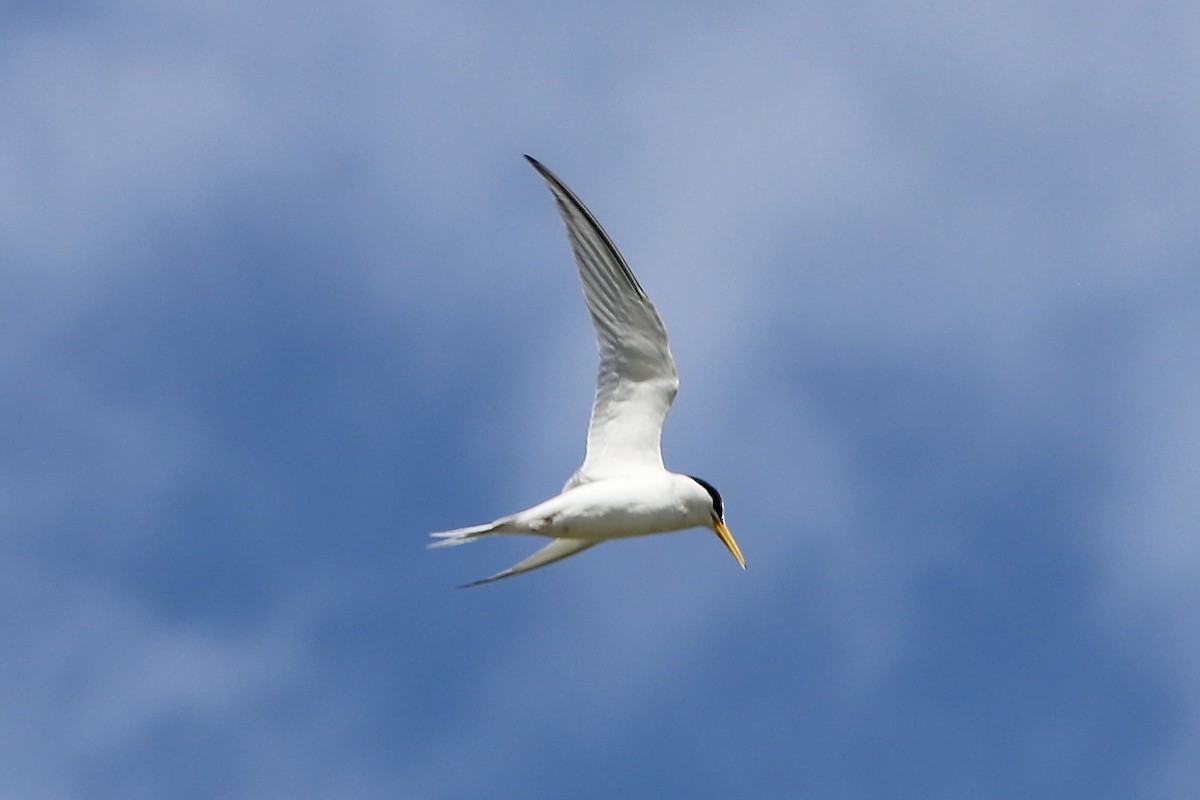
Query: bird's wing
x,y
557,550
637,380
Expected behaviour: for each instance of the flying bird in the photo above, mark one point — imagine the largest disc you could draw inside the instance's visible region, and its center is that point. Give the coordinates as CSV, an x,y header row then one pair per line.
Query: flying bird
x,y
622,489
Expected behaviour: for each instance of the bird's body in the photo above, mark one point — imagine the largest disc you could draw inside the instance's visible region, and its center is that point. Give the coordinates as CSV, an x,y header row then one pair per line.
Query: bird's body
x,y
641,503
622,489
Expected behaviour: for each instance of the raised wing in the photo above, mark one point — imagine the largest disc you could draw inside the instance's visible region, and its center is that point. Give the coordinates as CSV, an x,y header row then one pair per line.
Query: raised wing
x,y
637,380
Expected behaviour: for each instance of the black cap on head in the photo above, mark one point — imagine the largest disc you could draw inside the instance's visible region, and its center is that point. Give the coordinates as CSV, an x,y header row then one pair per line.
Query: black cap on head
x,y
718,506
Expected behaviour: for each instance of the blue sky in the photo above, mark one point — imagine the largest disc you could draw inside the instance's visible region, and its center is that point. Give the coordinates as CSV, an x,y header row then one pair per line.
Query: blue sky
x,y
280,296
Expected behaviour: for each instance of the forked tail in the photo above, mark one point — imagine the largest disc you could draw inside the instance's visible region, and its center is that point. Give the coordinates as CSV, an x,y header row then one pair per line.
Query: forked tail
x,y
463,535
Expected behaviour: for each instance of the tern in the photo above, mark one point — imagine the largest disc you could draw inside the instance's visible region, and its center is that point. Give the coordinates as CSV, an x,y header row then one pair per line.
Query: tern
x,y
622,489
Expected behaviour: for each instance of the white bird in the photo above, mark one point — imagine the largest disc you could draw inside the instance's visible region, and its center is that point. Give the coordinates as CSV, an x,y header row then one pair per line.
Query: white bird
x,y
622,489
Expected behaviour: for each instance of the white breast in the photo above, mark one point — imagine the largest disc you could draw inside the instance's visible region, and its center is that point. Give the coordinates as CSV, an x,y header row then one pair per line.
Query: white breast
x,y
642,503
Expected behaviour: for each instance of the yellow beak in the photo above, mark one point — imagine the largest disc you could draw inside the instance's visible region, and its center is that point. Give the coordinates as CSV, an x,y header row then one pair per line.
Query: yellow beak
x,y
727,540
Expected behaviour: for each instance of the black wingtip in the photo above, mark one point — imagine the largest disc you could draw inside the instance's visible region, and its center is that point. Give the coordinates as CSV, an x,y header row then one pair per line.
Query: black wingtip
x,y
539,166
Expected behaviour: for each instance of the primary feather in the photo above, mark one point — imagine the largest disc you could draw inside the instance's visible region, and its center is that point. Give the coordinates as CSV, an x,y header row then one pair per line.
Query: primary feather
x,y
637,380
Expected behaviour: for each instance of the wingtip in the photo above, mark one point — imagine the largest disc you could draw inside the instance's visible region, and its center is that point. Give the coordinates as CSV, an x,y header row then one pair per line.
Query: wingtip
x,y
539,166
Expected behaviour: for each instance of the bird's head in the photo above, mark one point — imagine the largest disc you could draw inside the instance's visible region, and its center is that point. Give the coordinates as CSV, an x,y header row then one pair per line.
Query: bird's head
x,y
717,520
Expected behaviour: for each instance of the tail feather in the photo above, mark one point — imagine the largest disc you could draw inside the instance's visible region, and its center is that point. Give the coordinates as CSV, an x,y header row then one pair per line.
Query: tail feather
x,y
463,535
557,550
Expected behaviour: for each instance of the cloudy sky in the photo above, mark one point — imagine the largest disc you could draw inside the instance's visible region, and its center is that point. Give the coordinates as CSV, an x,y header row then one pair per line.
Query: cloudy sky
x,y
279,296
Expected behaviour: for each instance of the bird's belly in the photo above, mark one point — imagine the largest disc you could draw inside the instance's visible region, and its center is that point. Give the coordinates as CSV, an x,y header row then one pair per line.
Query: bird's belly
x,y
595,511
617,524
